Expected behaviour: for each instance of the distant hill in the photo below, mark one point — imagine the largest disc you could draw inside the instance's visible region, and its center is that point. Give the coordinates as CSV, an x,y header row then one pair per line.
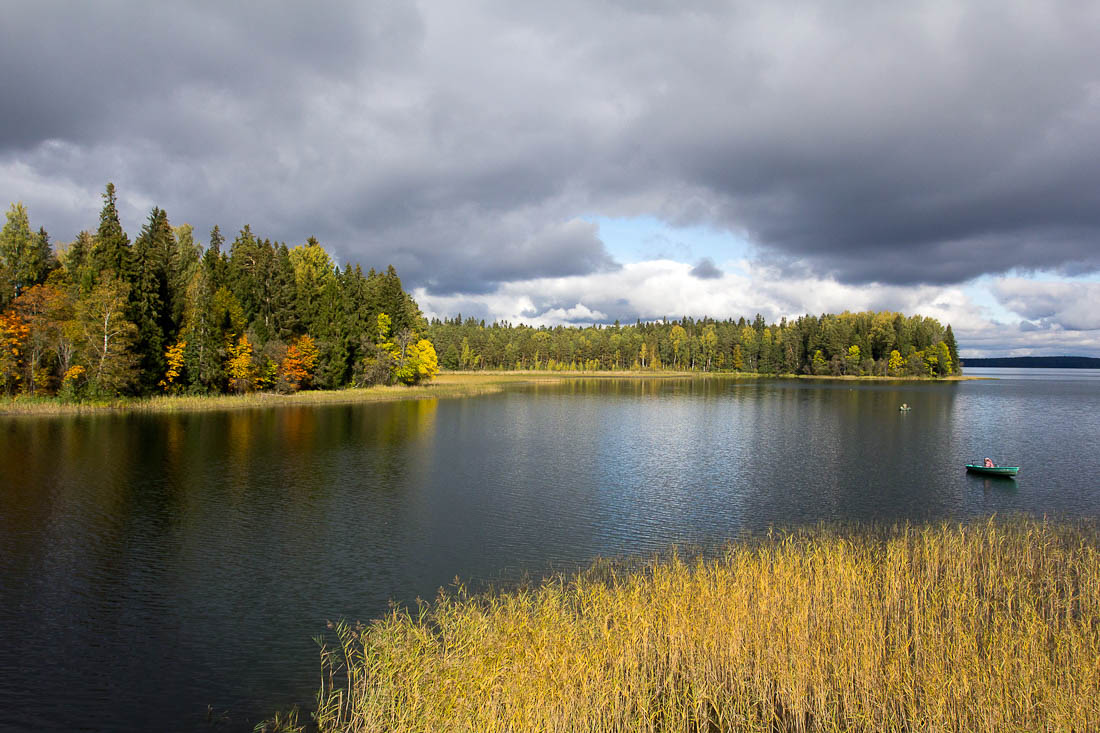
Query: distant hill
x,y
1036,362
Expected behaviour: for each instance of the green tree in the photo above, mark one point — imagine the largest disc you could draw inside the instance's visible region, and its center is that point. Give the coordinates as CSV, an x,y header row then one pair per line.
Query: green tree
x,y
108,336
111,255
313,270
27,257
896,363
854,357
819,366
188,260
678,336
76,263
952,350
153,295
943,358
205,340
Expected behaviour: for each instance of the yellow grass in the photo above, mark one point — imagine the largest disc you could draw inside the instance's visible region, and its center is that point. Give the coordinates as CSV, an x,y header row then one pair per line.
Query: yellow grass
x,y
987,627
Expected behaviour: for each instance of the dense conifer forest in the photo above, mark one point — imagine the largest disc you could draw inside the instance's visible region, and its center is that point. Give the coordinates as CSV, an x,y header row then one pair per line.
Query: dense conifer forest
x,y
856,344
102,316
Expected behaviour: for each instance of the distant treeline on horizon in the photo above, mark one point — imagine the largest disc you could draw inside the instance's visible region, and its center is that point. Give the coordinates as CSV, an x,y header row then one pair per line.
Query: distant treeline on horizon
x,y
855,344
1036,362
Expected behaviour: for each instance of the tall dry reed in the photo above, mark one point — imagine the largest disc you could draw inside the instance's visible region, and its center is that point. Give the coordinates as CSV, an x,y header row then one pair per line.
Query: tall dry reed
x,y
993,626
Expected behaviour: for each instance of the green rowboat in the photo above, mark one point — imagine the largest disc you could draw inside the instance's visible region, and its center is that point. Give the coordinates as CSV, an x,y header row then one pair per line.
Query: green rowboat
x,y
1009,471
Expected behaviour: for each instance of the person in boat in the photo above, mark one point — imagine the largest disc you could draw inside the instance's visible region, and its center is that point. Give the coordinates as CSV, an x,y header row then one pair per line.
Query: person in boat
x,y
989,463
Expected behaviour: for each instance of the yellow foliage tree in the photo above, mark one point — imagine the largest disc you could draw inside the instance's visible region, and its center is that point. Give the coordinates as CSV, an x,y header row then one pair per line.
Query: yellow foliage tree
x,y
896,362
173,355
239,366
428,362
13,334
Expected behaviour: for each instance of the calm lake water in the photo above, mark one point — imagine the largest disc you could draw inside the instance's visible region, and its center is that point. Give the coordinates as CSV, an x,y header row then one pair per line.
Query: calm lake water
x,y
155,567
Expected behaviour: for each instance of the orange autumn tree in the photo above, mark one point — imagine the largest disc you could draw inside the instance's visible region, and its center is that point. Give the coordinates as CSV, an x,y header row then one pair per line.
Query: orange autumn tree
x,y
13,336
296,370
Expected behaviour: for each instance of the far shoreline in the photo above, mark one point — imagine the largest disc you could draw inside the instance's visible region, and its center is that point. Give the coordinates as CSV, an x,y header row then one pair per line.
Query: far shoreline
x,y
449,384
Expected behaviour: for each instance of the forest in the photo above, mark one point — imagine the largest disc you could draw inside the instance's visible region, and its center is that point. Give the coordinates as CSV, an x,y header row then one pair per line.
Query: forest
x,y
102,316
853,344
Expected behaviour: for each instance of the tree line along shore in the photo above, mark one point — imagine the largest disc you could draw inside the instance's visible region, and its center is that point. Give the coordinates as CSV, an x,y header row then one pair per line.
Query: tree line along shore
x,y
101,320
846,344
986,626
100,317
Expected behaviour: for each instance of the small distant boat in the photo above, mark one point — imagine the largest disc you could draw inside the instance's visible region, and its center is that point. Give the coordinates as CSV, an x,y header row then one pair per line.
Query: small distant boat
x,y
1009,471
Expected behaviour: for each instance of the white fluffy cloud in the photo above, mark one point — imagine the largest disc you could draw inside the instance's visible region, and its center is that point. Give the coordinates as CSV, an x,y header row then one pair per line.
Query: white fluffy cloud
x,y
658,289
1067,306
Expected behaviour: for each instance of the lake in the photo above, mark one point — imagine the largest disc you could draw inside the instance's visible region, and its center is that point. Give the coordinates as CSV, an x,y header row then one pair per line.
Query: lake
x,y
170,572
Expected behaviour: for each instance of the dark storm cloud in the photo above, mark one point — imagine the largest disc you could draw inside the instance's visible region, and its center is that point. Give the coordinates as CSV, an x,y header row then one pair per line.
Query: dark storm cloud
x,y
705,269
899,143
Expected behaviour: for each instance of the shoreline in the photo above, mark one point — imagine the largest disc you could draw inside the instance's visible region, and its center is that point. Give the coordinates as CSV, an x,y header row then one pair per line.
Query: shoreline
x,y
451,384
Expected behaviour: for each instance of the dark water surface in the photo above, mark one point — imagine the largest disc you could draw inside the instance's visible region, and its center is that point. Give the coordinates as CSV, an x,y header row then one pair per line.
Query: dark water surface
x,y
154,565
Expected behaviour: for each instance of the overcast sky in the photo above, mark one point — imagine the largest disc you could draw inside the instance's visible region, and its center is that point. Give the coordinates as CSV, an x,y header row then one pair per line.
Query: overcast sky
x,y
579,162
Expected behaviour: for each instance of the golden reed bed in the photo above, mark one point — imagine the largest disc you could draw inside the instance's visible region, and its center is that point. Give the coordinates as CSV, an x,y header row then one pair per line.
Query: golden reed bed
x,y
993,626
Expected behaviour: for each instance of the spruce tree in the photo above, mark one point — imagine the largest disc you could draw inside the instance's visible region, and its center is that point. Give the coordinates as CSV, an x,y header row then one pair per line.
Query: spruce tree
x,y
188,258
152,295
77,262
390,298
202,359
112,253
244,278
214,261
27,257
952,350
286,321
333,363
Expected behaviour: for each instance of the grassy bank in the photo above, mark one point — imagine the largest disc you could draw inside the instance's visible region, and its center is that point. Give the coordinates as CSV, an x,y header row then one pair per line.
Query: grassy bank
x,y
447,384
987,627
443,387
